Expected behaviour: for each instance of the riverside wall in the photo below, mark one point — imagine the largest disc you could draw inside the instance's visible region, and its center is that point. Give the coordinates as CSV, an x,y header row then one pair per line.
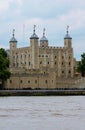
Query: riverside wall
x,y
43,81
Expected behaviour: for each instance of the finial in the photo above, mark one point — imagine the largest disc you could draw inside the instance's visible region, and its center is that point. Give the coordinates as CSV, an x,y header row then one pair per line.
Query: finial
x,y
34,28
43,32
67,29
13,32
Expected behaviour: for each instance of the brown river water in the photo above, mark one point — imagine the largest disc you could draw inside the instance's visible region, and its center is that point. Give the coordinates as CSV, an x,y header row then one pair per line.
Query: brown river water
x,y
42,113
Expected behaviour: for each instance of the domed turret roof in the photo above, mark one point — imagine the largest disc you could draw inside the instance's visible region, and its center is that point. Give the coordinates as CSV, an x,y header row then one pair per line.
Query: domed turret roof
x,y
13,39
67,36
34,36
44,37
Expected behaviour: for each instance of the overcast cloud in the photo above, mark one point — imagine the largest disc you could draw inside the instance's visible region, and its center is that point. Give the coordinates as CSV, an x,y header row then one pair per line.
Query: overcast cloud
x,y
54,15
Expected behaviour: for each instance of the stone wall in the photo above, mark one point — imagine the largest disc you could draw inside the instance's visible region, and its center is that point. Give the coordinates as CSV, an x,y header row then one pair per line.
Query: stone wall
x,y
20,81
43,81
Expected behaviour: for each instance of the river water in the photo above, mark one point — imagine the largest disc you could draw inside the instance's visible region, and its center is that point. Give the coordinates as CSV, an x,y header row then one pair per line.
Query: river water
x,y
42,113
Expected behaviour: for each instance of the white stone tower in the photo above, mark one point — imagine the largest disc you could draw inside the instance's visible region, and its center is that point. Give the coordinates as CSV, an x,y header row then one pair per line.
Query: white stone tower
x,y
13,47
67,40
34,49
69,56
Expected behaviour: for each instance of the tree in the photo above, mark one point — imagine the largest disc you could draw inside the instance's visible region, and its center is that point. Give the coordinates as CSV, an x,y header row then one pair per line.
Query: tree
x,y
4,65
81,65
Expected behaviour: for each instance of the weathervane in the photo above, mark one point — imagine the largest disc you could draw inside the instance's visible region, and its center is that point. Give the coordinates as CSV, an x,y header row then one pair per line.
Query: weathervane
x,y
34,28
67,28
13,32
43,32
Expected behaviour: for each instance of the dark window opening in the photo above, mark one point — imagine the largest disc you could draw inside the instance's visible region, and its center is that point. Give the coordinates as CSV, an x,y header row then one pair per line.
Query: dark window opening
x,y
62,72
69,63
10,81
69,71
41,62
46,81
36,81
21,81
28,81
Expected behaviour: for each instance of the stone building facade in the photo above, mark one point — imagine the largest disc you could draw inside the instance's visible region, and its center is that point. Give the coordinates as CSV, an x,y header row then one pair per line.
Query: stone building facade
x,y
39,65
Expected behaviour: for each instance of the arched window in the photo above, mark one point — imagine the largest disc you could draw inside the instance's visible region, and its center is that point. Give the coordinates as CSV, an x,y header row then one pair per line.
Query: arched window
x,y
62,72
46,81
10,81
40,62
36,81
69,71
55,57
69,63
21,81
28,81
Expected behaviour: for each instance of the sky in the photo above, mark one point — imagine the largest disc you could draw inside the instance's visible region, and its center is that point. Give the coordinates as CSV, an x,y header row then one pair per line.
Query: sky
x,y
53,15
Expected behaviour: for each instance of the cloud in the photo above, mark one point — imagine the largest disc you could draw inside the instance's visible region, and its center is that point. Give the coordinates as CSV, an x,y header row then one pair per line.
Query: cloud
x,y
4,5
53,15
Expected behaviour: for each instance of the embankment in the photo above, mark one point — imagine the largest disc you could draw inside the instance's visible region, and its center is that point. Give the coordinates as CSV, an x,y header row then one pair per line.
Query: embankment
x,y
41,92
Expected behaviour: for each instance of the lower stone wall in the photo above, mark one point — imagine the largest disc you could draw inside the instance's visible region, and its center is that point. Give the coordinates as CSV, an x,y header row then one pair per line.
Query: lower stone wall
x,y
24,81
43,81
80,82
65,82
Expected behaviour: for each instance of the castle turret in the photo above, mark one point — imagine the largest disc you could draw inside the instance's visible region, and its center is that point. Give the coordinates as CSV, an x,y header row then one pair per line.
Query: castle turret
x,y
34,50
13,47
67,40
13,42
69,56
44,40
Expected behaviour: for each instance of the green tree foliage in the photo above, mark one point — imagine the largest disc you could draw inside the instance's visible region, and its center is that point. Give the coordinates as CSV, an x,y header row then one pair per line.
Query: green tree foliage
x,y
4,65
81,65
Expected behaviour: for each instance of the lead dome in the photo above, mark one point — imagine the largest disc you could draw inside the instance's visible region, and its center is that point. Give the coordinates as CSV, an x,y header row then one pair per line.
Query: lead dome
x,y
13,39
34,36
67,36
44,39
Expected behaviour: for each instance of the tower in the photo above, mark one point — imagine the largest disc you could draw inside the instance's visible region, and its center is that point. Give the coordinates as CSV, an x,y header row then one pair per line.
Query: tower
x,y
13,47
34,50
44,40
67,40
68,55
13,42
